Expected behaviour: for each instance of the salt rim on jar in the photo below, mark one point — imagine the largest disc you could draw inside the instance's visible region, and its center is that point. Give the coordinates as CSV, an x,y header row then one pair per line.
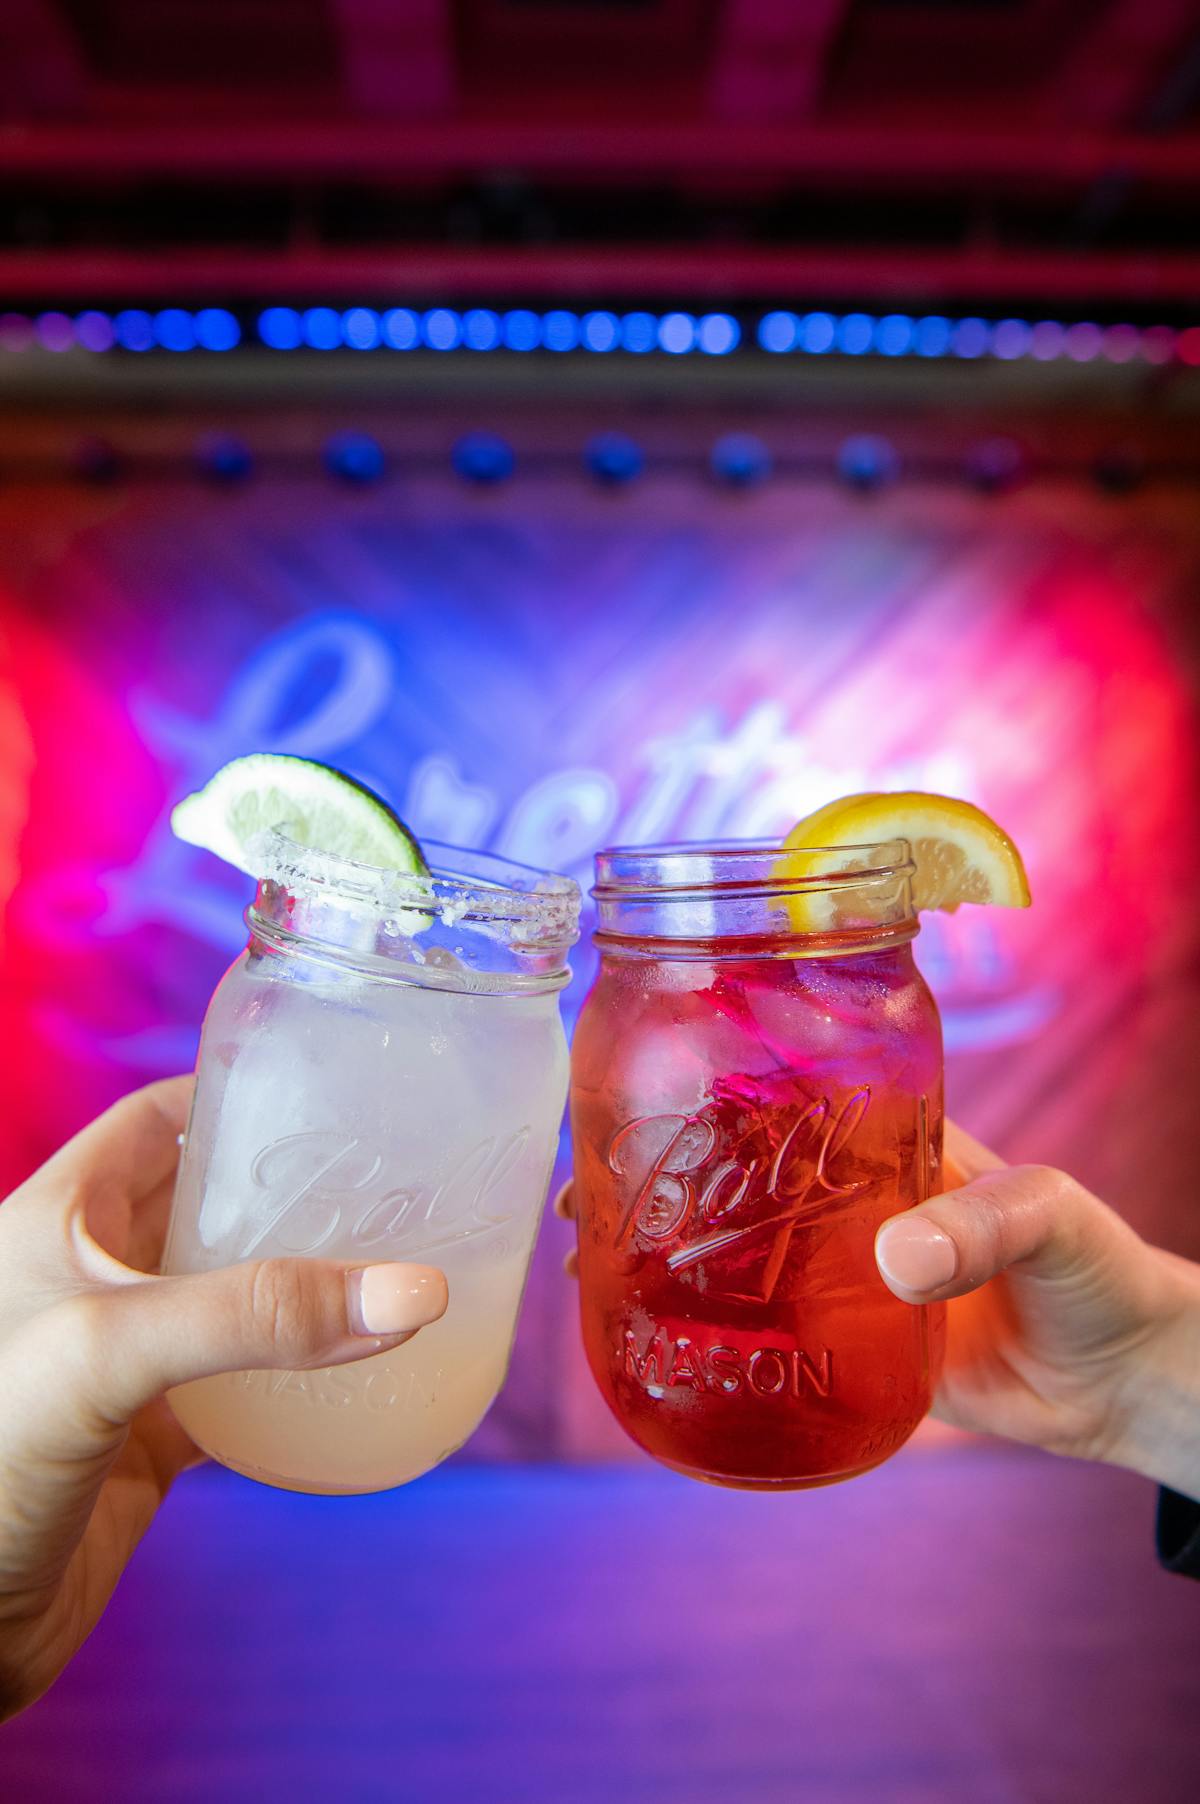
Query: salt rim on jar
x,y
494,918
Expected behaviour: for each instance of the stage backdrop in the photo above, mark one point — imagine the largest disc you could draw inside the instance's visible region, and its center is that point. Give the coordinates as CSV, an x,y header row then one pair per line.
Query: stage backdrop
x,y
543,667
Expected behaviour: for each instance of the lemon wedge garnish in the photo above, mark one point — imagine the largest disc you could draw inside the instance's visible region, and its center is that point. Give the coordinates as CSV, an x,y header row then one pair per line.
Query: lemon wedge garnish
x,y
960,853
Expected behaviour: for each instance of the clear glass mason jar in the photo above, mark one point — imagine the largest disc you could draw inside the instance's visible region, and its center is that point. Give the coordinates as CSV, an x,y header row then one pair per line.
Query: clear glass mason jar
x,y
756,1086
382,1075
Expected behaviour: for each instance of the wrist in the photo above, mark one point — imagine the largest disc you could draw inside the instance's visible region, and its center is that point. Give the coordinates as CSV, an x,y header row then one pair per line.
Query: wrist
x,y
1158,1402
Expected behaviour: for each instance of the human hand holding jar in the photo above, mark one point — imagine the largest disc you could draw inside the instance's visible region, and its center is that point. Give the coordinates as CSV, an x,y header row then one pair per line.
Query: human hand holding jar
x,y
1065,1330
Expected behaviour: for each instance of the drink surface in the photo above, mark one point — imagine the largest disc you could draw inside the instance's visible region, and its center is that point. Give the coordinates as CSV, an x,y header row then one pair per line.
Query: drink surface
x,y
741,1127
345,1118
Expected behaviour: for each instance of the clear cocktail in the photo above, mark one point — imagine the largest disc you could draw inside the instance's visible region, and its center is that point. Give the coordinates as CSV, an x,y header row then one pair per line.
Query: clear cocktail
x,y
382,1077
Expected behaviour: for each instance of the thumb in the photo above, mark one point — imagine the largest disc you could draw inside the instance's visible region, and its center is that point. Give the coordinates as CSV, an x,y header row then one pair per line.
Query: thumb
x,y
1023,1216
125,1344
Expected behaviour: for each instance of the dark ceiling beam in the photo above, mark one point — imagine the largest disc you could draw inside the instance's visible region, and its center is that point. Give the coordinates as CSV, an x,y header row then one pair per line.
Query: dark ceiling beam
x,y
770,57
41,67
988,277
396,59
930,158
1116,65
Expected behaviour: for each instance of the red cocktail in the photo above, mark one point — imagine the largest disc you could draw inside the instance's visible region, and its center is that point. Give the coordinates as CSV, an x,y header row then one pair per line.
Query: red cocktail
x,y
756,1086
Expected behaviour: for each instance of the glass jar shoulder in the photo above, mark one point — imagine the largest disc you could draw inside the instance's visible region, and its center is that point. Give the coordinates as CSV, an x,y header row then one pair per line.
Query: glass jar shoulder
x,y
258,973
328,1030
234,992
874,1011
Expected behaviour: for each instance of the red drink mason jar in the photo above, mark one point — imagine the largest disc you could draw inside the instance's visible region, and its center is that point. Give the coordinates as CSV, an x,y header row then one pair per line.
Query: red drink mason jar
x,y
756,1086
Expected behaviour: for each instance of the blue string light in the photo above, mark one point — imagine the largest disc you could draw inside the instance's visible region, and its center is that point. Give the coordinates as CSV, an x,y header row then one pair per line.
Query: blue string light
x,y
55,331
280,328
175,330
1011,338
600,331
639,333
16,332
817,333
560,330
94,331
855,332
894,335
134,329
401,329
778,332
521,329
1121,343
718,334
481,329
361,329
1083,341
217,329
322,328
441,329
971,338
1046,340
677,333
932,336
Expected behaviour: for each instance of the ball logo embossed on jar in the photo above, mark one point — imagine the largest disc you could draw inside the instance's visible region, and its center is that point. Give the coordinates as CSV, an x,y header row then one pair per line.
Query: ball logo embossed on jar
x,y
724,1179
324,1183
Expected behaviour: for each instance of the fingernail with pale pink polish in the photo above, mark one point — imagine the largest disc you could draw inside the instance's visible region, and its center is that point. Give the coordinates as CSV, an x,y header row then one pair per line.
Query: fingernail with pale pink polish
x,y
395,1299
914,1254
